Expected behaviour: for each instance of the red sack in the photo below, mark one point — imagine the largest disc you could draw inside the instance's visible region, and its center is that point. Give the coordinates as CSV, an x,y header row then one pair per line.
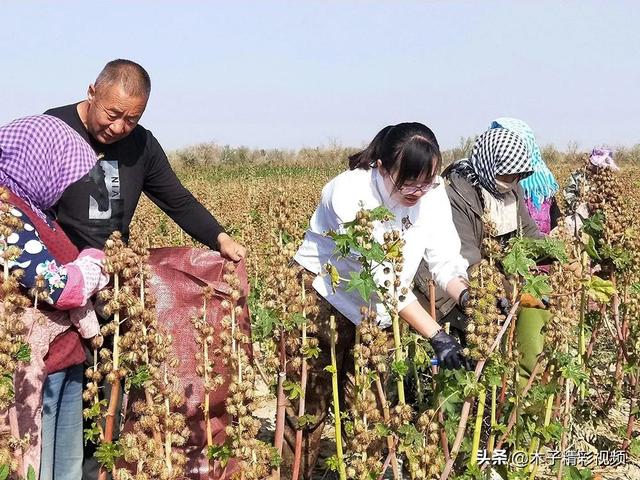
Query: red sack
x,y
178,276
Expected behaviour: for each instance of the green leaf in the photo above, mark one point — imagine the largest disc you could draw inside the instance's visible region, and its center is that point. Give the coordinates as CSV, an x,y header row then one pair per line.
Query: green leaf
x,y
293,389
375,254
344,242
31,473
553,248
492,374
381,213
382,430
524,252
24,353
634,447
363,282
394,251
410,436
275,459
590,248
141,377
598,289
107,454
7,382
92,434
95,410
297,320
286,238
263,322
518,261
594,225
334,274
537,285
222,453
470,386
311,352
420,357
331,369
307,421
552,432
400,368
4,472
332,463
622,259
573,473
635,288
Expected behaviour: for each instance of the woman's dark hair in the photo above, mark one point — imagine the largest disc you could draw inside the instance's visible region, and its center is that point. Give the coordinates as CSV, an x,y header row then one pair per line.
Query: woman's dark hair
x,y
410,150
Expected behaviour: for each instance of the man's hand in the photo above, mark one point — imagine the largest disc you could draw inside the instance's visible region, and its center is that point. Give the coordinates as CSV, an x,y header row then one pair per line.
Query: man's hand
x,y
230,249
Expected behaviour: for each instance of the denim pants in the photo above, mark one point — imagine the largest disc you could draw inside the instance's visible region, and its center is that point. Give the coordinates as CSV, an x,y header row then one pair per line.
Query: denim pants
x,y
61,457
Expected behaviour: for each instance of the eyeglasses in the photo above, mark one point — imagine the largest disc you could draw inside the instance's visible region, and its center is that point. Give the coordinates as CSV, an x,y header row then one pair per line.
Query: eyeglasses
x,y
413,189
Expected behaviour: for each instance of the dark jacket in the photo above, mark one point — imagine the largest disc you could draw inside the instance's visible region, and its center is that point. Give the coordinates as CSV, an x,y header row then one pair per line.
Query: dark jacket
x,y
466,210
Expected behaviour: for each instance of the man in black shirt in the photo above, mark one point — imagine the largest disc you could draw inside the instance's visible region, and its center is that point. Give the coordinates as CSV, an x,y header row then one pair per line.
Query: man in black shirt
x,y
131,162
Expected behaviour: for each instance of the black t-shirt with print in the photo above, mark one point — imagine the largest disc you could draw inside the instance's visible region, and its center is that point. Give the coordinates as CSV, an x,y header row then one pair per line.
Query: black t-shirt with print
x,y
105,199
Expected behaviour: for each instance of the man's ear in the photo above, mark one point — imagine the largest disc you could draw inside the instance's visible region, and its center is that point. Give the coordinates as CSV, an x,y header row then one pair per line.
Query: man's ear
x,y
91,93
378,163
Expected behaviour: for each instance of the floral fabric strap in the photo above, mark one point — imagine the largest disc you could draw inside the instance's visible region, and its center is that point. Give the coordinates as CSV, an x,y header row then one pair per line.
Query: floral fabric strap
x,y
68,286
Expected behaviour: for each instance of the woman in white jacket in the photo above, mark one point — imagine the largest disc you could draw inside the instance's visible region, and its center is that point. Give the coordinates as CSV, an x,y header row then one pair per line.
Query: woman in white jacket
x,y
398,170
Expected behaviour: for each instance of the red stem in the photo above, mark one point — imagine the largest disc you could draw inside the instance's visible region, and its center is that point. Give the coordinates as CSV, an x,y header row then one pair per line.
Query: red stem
x,y
281,403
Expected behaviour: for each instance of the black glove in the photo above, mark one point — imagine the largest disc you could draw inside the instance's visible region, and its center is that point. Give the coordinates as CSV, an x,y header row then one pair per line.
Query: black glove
x,y
449,351
504,305
463,299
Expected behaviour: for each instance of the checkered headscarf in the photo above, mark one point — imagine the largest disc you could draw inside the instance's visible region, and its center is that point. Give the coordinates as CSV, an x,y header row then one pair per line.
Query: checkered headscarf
x,y
496,152
40,156
541,185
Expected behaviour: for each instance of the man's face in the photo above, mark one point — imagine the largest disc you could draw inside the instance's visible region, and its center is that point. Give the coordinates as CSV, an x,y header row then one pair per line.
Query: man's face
x,y
111,113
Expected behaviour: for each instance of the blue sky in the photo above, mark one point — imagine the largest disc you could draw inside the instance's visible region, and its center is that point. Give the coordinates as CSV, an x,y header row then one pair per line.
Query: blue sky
x,y
308,73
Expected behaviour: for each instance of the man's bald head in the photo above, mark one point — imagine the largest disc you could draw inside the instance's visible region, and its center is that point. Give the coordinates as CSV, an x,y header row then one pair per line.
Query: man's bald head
x,y
116,101
133,78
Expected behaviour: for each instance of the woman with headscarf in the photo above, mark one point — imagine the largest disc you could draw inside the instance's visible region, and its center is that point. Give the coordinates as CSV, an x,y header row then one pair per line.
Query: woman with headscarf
x,y
577,186
540,187
488,182
39,157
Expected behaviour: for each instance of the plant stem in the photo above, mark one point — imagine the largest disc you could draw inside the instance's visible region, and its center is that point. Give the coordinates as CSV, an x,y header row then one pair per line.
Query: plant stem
x,y
536,440
115,385
492,434
281,403
482,398
633,402
387,419
303,388
336,401
397,341
444,441
167,438
513,417
205,356
581,339
565,424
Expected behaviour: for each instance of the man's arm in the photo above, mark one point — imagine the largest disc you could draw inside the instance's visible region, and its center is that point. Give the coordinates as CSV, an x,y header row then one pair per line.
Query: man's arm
x,y
164,188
